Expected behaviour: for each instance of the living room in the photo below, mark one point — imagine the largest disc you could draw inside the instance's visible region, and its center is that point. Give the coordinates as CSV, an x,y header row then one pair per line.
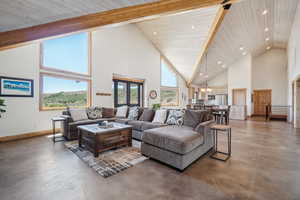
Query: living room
x,y
167,77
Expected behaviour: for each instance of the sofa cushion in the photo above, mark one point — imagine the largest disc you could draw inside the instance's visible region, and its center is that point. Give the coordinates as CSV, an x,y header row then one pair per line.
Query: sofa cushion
x,y
160,116
175,117
122,111
94,112
178,139
147,115
108,112
136,125
150,125
133,113
78,114
193,118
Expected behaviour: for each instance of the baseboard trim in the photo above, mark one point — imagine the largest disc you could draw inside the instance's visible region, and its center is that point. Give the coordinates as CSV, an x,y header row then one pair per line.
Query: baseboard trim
x,y
27,135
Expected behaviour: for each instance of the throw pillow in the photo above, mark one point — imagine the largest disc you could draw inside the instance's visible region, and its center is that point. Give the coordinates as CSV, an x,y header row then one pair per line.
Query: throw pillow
x,y
133,113
147,115
192,118
78,114
94,112
160,116
175,117
122,111
108,112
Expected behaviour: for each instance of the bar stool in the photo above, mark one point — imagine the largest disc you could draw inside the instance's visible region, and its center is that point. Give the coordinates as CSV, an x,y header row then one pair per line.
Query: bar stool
x,y
220,128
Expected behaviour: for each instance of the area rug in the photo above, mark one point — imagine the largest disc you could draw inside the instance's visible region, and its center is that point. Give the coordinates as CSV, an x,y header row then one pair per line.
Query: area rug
x,y
109,162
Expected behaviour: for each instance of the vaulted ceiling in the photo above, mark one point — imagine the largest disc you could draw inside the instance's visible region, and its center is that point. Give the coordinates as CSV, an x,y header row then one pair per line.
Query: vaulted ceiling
x,y
181,37
244,27
16,14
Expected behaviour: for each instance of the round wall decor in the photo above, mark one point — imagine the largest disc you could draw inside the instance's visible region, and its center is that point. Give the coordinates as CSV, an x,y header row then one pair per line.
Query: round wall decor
x,y
153,94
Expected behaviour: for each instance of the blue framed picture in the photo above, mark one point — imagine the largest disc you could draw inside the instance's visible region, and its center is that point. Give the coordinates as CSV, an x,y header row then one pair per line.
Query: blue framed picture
x,y
16,87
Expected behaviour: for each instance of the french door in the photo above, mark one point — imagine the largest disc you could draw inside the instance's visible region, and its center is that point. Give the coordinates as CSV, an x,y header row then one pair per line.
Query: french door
x,y
128,93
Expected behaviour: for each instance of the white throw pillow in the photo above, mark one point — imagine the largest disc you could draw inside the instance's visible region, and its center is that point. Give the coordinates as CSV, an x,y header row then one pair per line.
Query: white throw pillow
x,y
78,114
160,116
122,111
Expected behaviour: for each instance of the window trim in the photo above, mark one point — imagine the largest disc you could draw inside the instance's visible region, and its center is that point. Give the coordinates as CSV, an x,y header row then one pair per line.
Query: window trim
x,y
57,73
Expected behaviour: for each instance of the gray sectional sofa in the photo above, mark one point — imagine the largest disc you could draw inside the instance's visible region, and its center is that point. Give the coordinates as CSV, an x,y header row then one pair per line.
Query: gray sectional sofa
x,y
175,145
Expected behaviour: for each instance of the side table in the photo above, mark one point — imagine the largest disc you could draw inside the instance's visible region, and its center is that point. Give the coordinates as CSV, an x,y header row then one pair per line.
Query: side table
x,y
217,128
54,120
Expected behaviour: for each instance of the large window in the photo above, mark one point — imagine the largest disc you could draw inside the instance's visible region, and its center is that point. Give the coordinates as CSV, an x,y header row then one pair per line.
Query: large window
x,y
65,72
169,86
128,93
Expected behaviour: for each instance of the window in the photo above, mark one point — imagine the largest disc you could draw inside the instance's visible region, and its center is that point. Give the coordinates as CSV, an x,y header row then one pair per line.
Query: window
x,y
65,74
128,93
68,53
169,88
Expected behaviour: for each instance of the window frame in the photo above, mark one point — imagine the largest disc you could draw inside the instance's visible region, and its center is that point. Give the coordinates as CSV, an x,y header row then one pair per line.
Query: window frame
x,y
162,87
63,74
56,70
128,83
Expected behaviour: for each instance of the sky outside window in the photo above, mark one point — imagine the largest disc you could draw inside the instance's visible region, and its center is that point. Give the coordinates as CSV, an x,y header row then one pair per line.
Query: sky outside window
x,y
68,53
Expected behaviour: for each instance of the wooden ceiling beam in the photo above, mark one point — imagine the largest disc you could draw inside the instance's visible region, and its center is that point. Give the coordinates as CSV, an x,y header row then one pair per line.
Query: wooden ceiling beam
x,y
213,30
14,37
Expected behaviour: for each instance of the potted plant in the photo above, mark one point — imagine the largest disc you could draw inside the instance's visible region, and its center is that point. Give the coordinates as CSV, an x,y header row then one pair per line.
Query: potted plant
x,y
2,110
156,106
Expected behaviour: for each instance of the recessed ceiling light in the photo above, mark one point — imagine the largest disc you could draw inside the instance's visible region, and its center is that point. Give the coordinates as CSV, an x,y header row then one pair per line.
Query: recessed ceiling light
x,y
201,74
154,33
268,48
244,53
267,39
264,12
241,48
206,76
224,66
266,29
219,62
193,27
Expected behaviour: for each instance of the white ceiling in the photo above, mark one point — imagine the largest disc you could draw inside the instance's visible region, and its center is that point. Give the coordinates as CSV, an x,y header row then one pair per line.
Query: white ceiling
x,y
244,26
180,37
16,14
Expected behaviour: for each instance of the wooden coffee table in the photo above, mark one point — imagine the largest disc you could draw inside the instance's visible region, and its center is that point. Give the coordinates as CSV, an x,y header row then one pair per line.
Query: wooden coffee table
x,y
96,139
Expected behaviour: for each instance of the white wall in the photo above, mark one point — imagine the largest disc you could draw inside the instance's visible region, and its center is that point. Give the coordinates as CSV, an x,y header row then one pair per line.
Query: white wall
x,y
220,80
123,50
23,115
239,76
269,71
294,54
293,59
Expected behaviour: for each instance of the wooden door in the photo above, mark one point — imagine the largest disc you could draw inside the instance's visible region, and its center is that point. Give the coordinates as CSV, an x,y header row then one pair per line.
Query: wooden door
x,y
239,96
261,98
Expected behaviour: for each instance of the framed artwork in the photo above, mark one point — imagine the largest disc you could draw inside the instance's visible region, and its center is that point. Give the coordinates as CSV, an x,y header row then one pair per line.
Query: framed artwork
x,y
153,94
16,87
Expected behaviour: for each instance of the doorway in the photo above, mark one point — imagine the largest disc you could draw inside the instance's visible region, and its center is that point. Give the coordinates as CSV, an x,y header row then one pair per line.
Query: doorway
x,y
261,98
239,96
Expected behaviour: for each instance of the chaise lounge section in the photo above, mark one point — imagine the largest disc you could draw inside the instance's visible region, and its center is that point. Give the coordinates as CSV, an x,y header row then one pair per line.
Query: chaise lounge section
x,y
178,146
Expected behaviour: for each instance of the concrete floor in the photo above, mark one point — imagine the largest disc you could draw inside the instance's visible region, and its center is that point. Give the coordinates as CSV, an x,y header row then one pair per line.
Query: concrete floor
x,y
265,164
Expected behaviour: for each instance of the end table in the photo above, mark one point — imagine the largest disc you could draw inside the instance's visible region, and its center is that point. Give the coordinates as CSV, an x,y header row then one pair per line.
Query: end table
x,y
217,128
54,120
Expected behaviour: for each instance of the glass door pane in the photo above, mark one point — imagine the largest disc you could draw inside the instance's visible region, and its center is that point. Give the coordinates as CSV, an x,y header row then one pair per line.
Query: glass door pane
x,y
134,93
122,93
